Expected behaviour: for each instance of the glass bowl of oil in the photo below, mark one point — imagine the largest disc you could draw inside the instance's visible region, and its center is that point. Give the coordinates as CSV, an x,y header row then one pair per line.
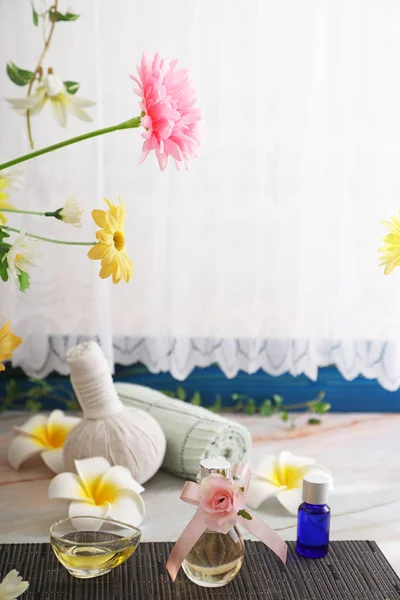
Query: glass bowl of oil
x,y
92,546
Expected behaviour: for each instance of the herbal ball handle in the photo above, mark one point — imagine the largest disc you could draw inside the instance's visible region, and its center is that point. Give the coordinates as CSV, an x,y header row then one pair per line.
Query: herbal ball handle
x,y
92,381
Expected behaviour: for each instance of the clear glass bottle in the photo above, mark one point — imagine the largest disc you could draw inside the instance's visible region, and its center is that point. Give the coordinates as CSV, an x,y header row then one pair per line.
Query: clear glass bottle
x,y
216,558
313,519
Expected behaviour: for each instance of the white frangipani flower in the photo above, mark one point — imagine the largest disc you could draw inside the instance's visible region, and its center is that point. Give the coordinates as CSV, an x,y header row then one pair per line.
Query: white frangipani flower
x,y
72,212
100,490
53,89
281,477
42,435
12,586
22,254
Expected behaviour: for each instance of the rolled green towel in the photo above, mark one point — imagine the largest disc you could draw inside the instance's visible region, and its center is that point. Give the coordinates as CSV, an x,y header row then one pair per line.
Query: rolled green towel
x,y
192,432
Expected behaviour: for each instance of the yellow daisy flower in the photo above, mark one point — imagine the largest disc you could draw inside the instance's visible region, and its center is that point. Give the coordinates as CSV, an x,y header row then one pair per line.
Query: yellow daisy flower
x,y
391,250
12,178
3,200
8,343
111,243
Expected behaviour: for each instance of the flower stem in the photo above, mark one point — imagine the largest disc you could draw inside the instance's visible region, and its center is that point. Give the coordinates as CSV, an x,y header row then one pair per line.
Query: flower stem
x,y
130,124
36,71
26,212
52,241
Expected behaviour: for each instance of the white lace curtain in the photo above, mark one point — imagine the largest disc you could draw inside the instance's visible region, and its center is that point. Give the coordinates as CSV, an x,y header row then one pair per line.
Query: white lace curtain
x,y
264,254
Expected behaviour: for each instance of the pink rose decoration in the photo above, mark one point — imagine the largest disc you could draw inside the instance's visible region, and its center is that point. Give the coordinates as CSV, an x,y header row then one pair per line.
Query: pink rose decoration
x,y
171,120
220,501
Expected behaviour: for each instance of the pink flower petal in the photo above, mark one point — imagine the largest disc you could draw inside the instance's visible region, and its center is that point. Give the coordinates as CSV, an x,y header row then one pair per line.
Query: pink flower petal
x,y
169,99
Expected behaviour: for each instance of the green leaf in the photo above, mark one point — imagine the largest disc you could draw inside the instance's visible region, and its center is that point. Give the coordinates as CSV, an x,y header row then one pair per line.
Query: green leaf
x,y
57,16
238,396
196,400
243,513
217,406
17,75
266,408
321,407
250,407
44,385
4,270
168,393
314,421
33,405
3,234
72,405
181,394
35,16
72,86
24,282
12,389
278,400
34,392
284,415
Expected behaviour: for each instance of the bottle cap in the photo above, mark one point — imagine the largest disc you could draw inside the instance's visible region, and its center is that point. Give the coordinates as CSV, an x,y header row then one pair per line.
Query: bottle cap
x,y
214,465
315,488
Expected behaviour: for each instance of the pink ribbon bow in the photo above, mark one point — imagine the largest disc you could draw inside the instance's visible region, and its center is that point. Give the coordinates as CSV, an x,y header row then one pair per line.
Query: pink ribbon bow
x,y
221,504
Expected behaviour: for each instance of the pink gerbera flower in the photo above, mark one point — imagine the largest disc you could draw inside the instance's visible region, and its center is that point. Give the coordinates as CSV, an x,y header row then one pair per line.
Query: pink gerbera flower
x,y
170,117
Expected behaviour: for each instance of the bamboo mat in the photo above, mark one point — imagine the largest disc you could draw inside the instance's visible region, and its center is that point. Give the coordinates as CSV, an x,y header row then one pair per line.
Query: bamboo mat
x,y
353,570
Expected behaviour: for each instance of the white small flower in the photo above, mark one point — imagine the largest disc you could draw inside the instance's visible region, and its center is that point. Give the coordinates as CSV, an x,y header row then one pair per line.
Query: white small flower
x,y
100,490
42,435
22,254
281,477
53,89
72,212
12,586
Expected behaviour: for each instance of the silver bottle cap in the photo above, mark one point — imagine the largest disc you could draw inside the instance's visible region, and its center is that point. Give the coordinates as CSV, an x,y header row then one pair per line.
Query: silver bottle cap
x,y
214,465
315,488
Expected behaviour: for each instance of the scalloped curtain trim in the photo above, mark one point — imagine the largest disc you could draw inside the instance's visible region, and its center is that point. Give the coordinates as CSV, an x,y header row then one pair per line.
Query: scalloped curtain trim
x,y
179,356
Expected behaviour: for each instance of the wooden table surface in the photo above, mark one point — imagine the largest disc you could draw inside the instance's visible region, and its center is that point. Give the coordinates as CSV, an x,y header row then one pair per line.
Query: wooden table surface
x,y
361,450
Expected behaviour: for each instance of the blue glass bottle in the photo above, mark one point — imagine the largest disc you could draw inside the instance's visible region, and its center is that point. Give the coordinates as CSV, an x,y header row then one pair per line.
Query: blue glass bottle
x,y
314,516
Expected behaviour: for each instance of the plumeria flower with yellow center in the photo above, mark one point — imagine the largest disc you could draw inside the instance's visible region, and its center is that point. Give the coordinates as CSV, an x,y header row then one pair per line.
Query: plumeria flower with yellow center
x,y
8,343
12,586
42,435
22,255
100,490
281,477
71,212
110,248
390,258
53,89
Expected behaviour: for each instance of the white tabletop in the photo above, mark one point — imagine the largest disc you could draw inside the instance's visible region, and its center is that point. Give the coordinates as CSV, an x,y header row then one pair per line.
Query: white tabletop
x,y
361,450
